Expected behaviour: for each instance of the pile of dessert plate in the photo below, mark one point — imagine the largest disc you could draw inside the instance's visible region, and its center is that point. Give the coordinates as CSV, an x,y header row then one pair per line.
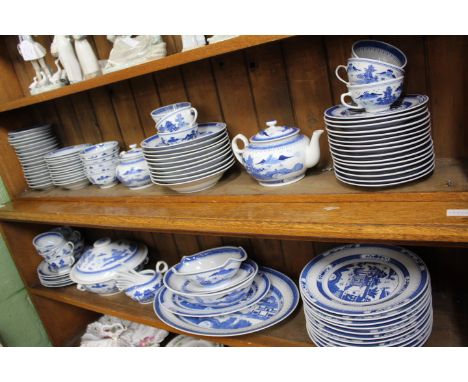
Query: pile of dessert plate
x,y
66,168
381,149
367,295
31,144
190,166
220,292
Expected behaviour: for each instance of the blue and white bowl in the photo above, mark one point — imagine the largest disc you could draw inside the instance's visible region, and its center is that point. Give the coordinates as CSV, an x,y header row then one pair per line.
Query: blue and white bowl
x,y
212,266
362,71
100,150
375,97
100,162
380,51
176,137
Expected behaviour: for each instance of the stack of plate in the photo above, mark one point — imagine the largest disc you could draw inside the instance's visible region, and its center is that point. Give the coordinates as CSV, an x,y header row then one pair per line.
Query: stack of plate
x,y
251,299
31,145
381,149
51,279
367,295
190,166
66,168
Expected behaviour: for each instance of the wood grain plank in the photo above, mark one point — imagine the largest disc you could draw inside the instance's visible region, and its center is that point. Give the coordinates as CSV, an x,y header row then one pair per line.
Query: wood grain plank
x,y
186,244
170,86
10,87
296,255
86,118
72,132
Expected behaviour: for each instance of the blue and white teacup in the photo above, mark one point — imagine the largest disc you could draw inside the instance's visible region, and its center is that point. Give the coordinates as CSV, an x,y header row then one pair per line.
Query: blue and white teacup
x,y
176,137
181,119
375,97
362,71
61,264
159,113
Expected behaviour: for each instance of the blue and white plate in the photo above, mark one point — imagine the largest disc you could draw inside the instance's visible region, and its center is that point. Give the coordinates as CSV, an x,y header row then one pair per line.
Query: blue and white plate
x,y
278,304
363,279
407,104
181,286
179,305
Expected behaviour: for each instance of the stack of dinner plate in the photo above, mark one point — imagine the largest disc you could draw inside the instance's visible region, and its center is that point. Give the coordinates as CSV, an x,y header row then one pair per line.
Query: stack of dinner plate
x,y
190,166
367,295
66,168
381,149
220,292
31,144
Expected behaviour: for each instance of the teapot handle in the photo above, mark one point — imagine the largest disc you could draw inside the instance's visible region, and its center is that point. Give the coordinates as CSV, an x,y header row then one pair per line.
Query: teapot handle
x,y
237,151
337,73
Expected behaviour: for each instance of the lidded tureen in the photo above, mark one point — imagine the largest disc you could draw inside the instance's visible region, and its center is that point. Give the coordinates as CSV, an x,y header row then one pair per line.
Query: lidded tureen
x,y
278,155
98,266
133,170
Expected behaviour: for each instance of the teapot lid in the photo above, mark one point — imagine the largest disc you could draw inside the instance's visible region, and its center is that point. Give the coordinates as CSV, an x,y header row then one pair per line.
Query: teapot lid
x,y
100,262
133,153
273,133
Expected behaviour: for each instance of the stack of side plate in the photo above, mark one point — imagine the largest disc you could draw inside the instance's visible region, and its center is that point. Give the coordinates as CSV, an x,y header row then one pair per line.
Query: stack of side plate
x,y
51,279
367,295
270,297
31,145
66,168
190,166
381,149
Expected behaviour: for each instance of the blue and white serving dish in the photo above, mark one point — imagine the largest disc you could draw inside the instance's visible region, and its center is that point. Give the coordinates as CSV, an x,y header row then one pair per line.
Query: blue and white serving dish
x,y
212,266
180,305
133,171
278,155
379,51
367,295
278,304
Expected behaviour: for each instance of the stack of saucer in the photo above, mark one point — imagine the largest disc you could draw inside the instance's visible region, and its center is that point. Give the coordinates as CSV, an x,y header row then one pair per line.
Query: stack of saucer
x,y
65,167
31,144
219,292
367,295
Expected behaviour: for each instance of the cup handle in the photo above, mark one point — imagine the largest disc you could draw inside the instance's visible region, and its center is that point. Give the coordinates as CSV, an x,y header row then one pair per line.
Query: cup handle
x,y
337,73
237,151
80,287
161,267
194,114
342,98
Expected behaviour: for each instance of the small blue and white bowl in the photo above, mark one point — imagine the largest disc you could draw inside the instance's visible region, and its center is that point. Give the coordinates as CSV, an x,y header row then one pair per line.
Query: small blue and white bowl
x,y
374,97
104,288
180,136
212,266
362,71
100,150
181,119
104,179
380,51
159,113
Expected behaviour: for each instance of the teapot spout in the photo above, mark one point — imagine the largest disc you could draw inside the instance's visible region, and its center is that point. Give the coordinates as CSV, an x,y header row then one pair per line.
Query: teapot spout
x,y
313,150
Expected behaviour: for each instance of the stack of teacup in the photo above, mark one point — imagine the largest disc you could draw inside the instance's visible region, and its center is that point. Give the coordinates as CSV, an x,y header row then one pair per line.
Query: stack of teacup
x,y
100,162
176,123
59,248
141,286
375,75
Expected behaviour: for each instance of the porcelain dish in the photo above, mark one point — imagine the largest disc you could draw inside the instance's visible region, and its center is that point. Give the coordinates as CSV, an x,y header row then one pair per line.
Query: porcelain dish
x,y
132,170
367,295
100,163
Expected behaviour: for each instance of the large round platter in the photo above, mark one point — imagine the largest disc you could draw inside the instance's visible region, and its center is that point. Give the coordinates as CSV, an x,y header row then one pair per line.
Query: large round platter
x,y
379,290
406,104
278,304
178,305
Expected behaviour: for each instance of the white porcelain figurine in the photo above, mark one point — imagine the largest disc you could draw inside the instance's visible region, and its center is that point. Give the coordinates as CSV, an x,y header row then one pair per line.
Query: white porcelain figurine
x,y
63,49
278,155
192,41
88,61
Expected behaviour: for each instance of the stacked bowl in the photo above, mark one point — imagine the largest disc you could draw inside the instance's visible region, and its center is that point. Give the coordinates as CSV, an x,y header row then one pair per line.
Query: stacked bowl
x,y
367,295
60,248
31,144
100,162
219,292
65,167
193,165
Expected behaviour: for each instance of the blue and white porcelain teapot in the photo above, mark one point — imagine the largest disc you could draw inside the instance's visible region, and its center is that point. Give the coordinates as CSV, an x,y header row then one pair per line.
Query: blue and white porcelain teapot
x,y
278,155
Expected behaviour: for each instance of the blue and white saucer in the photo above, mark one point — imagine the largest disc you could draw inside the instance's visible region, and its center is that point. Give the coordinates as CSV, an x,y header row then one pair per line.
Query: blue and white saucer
x,y
278,304
181,286
179,305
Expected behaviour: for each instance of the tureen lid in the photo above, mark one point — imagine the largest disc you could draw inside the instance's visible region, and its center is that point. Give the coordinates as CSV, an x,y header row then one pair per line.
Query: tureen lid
x,y
100,262
133,153
273,133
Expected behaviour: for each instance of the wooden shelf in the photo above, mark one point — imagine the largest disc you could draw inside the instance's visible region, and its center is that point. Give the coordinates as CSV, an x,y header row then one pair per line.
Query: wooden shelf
x,y
449,320
291,332
204,52
317,208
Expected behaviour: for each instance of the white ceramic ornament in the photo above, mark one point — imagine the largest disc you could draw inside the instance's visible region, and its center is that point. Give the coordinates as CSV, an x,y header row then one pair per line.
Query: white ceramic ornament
x,y
63,49
86,56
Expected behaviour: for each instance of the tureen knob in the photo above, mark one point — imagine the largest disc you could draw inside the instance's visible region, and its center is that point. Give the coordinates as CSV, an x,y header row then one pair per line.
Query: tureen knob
x,y
133,146
271,123
102,242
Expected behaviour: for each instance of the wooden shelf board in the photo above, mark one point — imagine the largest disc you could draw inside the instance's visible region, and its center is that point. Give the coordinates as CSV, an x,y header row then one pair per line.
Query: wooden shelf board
x,y
177,59
239,207
291,332
449,327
